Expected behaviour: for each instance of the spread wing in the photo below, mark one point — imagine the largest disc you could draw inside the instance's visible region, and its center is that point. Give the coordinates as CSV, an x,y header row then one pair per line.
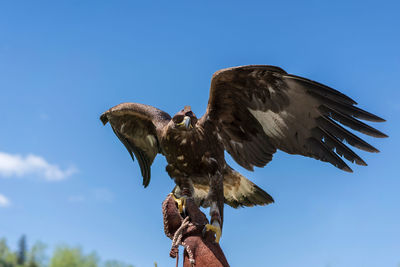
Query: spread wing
x,y
139,128
256,110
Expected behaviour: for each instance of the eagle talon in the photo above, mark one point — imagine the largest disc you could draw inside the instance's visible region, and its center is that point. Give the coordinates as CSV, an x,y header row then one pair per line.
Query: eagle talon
x,y
181,202
215,229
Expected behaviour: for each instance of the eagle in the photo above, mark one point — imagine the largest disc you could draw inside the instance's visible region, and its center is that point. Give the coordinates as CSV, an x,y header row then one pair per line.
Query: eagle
x,y
252,112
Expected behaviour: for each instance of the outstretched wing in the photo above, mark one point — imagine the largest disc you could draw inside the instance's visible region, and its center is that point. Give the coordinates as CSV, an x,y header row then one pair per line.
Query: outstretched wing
x,y
139,128
258,109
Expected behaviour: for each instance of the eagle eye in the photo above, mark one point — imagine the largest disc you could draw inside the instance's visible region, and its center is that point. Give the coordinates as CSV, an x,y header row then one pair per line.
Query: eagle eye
x,y
178,118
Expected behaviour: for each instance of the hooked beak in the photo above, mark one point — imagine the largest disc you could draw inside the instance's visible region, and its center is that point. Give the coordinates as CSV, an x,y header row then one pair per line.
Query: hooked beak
x,y
186,122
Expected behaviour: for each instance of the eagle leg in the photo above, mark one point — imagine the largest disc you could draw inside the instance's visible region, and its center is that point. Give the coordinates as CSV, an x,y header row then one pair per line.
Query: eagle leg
x,y
216,222
216,198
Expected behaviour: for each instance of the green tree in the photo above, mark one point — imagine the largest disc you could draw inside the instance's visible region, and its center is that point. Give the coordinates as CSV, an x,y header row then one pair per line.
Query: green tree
x,y
21,253
65,256
114,263
4,250
37,255
7,257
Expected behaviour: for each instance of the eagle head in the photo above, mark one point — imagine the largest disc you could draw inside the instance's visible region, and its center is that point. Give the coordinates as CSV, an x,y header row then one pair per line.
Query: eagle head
x,y
185,119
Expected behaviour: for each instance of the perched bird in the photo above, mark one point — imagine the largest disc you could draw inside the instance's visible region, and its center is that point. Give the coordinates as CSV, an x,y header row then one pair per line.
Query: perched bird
x,y
252,111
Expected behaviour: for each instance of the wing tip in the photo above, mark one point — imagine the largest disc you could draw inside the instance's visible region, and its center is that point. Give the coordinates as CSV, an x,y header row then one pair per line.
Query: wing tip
x,y
375,118
146,181
360,162
347,169
374,150
382,135
104,118
375,133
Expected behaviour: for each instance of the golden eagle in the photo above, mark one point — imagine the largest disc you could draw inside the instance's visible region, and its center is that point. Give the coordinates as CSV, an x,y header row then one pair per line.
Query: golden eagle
x,y
252,111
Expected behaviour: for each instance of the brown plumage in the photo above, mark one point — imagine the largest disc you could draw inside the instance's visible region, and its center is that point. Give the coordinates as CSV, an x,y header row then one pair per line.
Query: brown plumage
x,y
252,112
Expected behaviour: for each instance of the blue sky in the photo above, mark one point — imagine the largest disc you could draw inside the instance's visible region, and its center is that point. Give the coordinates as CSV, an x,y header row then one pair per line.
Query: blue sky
x,y
64,178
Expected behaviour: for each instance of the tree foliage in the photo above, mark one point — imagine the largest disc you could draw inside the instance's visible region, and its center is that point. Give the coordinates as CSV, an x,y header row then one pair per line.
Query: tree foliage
x,y
114,263
21,253
63,256
37,255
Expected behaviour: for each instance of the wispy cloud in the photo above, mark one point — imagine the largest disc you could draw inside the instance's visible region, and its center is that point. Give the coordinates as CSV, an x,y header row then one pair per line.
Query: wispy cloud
x,y
17,165
76,198
4,201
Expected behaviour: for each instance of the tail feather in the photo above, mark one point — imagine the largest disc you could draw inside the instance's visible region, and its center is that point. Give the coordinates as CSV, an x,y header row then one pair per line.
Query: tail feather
x,y
239,191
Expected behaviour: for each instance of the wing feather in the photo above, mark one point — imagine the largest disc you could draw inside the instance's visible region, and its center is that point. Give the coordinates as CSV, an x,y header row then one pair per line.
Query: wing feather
x,y
344,135
139,128
322,90
335,144
319,150
351,122
259,109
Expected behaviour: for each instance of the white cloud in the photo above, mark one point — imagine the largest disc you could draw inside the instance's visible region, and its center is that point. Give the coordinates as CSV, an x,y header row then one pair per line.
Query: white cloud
x,y
4,202
17,165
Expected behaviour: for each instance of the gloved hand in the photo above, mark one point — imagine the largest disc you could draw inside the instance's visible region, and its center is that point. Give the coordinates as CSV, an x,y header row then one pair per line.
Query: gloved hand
x,y
200,249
